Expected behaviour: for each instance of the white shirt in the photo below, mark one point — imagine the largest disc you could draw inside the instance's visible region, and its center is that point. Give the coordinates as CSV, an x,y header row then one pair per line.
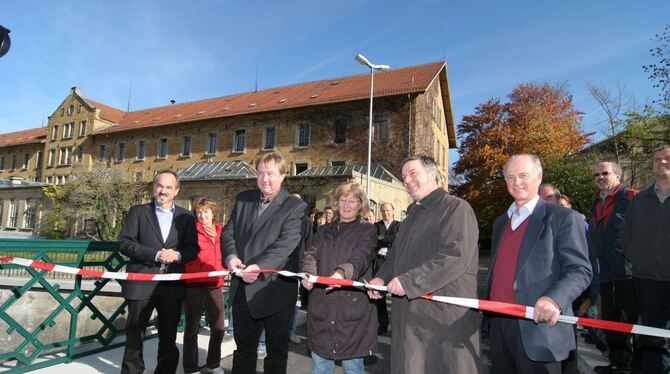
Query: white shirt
x,y
524,212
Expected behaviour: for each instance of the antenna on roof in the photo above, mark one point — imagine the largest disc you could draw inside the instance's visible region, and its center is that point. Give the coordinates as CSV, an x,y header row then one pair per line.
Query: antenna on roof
x,y
42,117
256,80
130,86
172,101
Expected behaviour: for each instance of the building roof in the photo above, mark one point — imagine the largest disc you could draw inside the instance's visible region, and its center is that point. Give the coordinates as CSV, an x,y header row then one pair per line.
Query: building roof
x,y
376,171
406,80
30,136
107,112
217,170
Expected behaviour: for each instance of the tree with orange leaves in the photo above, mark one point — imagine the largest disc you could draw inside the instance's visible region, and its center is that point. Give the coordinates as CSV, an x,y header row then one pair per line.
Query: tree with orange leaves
x,y
537,119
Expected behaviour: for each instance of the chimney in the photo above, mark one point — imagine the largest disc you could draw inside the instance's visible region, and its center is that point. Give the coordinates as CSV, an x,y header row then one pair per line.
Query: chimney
x,y
172,101
75,90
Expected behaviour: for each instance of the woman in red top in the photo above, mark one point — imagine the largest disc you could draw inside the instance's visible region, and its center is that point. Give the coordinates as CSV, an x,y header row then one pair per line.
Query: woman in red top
x,y
205,293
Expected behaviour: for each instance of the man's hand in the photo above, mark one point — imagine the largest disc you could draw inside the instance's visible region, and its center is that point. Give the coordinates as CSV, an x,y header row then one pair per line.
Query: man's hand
x,y
395,287
168,256
235,263
374,294
250,274
306,283
584,307
546,310
336,275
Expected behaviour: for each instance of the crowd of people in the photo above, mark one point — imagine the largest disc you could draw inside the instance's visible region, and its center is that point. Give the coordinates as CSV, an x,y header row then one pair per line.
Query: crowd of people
x,y
543,254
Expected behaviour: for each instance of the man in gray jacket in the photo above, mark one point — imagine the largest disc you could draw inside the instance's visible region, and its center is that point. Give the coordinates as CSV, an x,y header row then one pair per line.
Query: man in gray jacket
x,y
645,235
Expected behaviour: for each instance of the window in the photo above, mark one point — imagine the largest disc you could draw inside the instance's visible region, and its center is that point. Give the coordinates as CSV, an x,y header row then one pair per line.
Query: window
x,y
338,163
162,148
54,132
300,167
186,146
102,152
269,138
38,160
340,131
70,110
52,157
2,162
80,153
13,213
381,127
78,108
29,214
82,128
48,179
67,130
239,140
12,165
26,159
302,135
212,143
373,205
120,151
65,156
141,150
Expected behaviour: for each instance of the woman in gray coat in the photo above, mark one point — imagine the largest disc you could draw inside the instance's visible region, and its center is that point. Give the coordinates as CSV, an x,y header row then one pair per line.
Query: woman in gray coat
x,y
342,322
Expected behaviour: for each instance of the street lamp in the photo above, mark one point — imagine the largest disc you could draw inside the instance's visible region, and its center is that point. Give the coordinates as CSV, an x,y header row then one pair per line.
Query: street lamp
x,y
364,61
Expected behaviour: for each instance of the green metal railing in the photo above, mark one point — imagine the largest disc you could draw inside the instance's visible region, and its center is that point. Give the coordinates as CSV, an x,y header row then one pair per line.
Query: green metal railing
x,y
27,347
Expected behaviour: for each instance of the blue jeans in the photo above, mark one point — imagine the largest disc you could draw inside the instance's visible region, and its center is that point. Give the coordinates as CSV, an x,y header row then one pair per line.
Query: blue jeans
x,y
322,365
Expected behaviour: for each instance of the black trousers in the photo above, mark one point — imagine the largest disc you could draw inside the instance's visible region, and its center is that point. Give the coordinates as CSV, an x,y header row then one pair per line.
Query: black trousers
x,y
247,332
139,313
654,297
507,353
619,303
196,300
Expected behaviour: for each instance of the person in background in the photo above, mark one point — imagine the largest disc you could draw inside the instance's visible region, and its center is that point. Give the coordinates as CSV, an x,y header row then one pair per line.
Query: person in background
x,y
328,213
549,193
341,322
319,221
618,301
204,293
371,217
387,228
645,241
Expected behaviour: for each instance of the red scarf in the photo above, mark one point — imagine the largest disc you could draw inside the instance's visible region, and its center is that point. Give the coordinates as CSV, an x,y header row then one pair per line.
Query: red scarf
x,y
605,208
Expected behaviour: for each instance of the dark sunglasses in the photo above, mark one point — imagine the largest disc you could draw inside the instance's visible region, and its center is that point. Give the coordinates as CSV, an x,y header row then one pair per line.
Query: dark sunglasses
x,y
604,174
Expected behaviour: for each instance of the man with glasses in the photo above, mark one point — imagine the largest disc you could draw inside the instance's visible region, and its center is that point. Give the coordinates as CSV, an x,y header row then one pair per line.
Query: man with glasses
x,y
618,301
263,232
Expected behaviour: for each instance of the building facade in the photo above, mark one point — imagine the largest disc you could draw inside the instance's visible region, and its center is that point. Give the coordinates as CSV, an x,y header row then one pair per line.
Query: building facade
x,y
321,125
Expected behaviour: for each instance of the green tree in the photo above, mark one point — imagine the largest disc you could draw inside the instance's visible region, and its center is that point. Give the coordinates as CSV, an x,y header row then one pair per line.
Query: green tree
x,y
100,197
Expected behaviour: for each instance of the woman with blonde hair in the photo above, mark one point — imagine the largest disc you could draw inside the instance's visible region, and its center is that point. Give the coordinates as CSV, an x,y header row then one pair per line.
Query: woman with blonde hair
x,y
205,293
342,322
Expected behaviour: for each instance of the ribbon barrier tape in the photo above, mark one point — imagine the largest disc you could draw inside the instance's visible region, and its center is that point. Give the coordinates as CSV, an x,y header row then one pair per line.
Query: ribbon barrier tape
x,y
514,310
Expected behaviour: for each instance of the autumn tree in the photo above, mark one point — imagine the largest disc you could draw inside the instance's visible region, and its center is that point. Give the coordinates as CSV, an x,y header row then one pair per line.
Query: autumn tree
x,y
537,119
99,197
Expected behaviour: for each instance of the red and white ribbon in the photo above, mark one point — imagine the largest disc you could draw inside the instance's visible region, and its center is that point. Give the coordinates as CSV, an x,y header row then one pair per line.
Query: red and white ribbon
x,y
514,310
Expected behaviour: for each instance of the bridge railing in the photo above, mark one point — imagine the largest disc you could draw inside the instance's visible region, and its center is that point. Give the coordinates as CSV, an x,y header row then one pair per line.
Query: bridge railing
x,y
51,318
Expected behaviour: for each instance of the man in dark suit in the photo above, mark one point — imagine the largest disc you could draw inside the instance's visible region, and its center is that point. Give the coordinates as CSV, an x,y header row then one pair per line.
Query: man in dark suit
x,y
263,232
539,257
387,228
158,237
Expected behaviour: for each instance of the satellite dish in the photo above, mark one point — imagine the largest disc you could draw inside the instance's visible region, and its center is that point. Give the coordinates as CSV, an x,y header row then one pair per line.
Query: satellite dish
x,y
5,43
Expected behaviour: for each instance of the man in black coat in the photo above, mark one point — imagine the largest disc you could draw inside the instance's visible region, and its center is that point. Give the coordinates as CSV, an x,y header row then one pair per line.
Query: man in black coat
x,y
158,237
387,228
263,232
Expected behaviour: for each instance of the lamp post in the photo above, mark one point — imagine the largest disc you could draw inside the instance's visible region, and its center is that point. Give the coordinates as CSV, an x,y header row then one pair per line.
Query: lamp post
x,y
364,61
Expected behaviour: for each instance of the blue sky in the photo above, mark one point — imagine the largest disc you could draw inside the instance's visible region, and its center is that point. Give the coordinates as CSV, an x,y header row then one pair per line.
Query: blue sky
x,y
190,50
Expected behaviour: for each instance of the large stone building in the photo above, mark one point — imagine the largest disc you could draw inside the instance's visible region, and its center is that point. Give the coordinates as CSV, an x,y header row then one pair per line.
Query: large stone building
x,y
321,128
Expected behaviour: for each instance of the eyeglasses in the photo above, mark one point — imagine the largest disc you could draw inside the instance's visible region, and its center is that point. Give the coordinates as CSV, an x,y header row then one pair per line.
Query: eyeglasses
x,y
349,202
603,174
